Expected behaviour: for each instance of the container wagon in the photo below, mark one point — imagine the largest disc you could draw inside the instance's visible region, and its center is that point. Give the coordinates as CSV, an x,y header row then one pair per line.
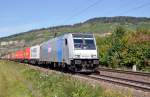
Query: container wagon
x,y
26,55
19,55
34,54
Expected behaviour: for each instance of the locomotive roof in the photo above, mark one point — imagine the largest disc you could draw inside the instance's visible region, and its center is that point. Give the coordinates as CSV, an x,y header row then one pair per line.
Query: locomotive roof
x,y
81,35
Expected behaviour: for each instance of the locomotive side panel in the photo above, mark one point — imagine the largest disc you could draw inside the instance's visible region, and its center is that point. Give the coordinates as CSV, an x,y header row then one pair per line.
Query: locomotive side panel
x,y
48,51
59,47
66,49
52,50
55,50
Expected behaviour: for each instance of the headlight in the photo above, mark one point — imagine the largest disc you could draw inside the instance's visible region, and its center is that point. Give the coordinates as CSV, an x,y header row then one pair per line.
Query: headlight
x,y
93,56
77,56
77,61
95,61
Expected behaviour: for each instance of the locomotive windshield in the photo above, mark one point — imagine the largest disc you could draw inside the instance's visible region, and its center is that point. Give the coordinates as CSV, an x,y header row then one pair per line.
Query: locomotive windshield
x,y
89,43
84,44
78,43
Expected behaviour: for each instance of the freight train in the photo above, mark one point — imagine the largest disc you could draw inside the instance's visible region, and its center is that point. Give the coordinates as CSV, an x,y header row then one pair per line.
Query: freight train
x,y
76,52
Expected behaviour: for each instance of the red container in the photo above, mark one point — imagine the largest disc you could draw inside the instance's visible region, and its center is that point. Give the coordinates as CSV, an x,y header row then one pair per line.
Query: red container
x,y
13,55
8,56
27,53
19,54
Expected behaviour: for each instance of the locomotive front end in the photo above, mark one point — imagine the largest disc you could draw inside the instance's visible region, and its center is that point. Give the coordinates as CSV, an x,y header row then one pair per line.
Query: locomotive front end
x,y
85,56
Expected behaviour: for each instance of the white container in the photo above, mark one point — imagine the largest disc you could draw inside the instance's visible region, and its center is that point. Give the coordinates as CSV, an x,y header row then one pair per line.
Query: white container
x,y
35,52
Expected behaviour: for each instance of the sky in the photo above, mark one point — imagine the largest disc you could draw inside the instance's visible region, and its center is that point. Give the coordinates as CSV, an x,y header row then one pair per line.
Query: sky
x,y
18,16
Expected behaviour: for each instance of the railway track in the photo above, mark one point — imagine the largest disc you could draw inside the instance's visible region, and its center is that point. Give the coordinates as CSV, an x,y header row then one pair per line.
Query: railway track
x,y
138,85
143,86
125,72
134,77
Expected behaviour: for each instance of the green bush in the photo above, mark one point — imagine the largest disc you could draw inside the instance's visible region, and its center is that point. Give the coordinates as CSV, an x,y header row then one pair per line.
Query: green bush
x,y
118,50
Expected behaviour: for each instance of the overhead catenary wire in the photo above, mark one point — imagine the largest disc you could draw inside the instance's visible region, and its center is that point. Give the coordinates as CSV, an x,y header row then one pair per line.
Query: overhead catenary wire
x,y
135,8
97,2
83,10
122,6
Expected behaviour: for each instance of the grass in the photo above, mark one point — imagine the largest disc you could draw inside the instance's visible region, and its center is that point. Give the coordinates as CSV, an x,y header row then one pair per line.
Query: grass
x,y
11,81
17,80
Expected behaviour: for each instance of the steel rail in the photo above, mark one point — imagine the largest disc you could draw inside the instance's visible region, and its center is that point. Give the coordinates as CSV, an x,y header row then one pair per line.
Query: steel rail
x,y
113,80
124,71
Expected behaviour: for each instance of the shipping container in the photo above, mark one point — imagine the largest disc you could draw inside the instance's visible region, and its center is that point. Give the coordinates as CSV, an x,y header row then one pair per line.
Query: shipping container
x,y
12,56
35,52
27,53
19,55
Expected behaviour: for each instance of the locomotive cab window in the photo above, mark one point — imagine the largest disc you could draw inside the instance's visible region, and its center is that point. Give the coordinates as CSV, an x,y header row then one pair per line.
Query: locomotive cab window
x,y
78,43
89,43
66,42
84,44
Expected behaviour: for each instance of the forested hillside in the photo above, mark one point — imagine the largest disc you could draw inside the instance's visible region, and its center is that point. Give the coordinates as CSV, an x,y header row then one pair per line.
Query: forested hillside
x,y
128,45
95,25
